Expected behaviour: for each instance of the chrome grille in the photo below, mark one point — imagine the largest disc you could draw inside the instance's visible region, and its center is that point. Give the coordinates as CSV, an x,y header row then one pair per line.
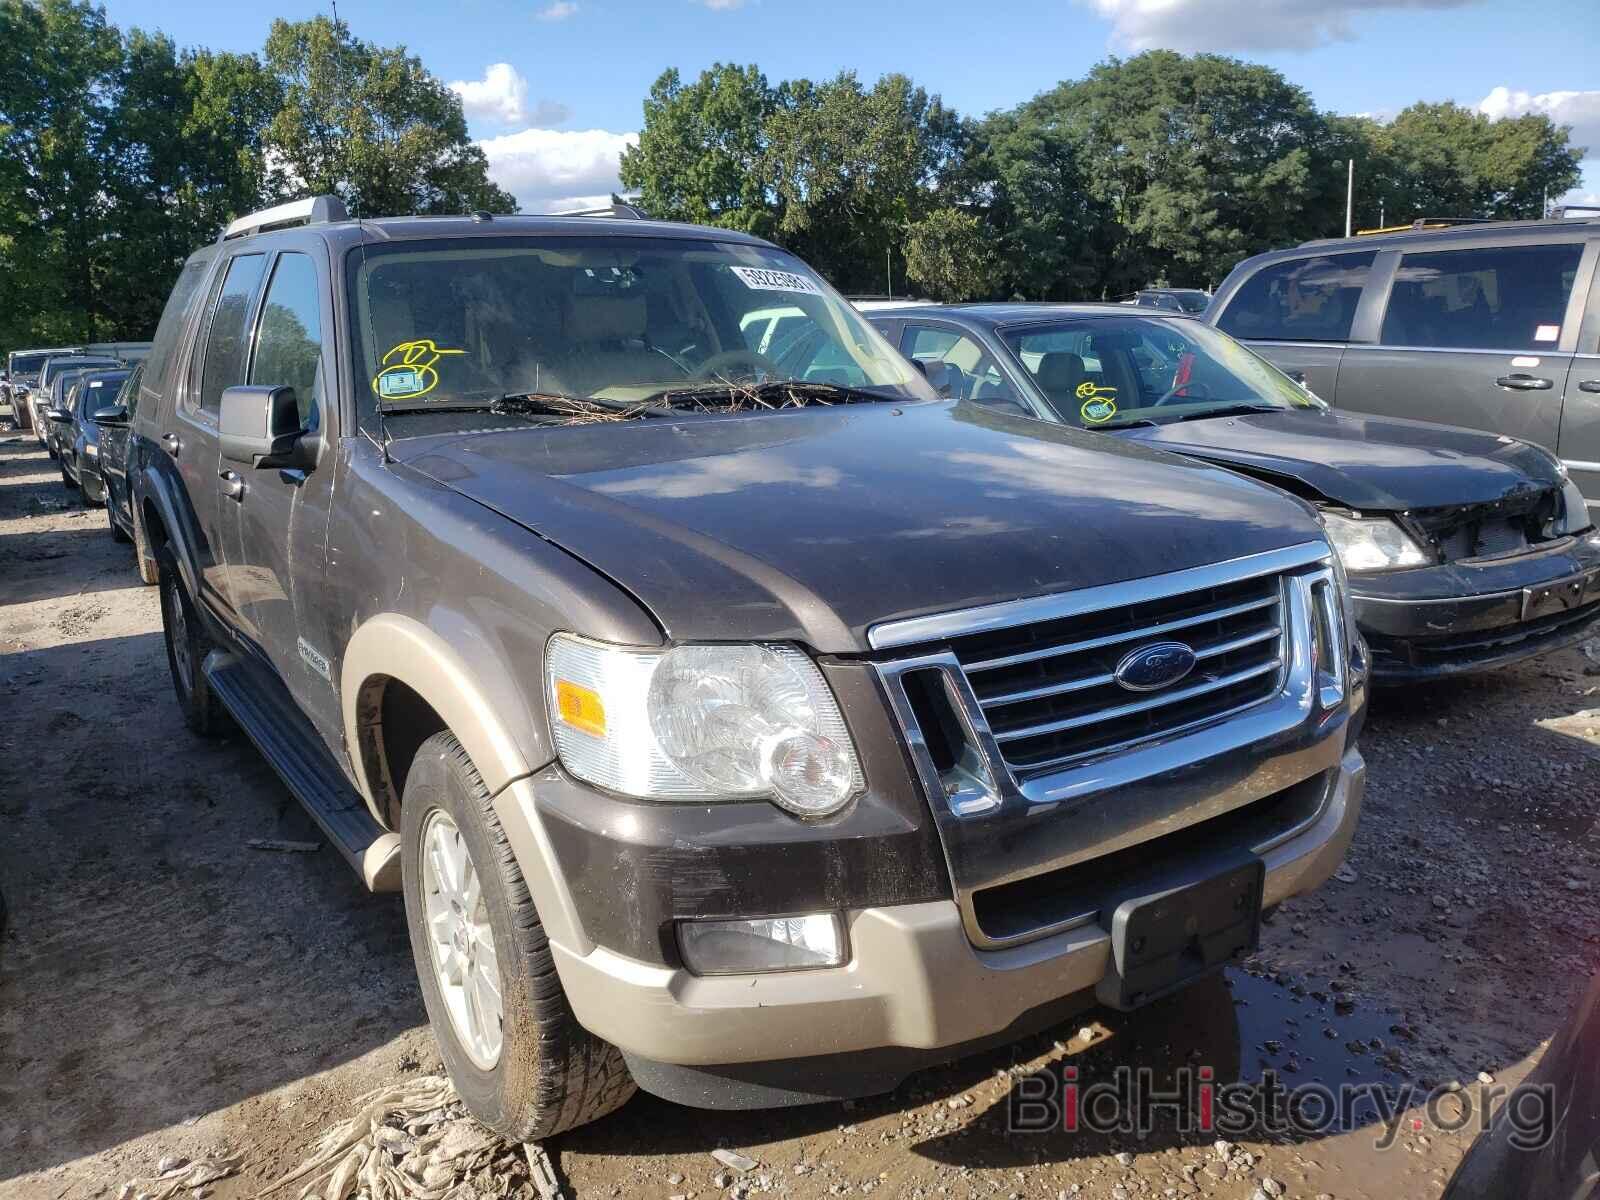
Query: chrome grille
x,y
1049,693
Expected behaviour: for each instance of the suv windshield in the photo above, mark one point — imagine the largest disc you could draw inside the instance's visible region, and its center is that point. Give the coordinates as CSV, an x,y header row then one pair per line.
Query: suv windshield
x,y
1105,372
54,368
27,364
622,320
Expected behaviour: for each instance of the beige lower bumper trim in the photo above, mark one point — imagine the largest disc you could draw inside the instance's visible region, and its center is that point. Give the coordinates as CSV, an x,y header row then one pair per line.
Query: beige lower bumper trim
x,y
914,978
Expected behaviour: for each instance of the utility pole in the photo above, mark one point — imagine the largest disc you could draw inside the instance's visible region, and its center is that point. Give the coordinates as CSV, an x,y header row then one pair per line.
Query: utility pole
x,y
1381,223
888,269
1350,198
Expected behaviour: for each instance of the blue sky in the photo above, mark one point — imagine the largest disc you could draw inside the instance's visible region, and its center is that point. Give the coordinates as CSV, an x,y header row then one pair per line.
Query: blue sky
x,y
553,87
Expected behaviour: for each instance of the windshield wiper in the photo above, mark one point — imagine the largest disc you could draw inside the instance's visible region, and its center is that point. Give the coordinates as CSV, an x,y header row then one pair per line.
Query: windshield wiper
x,y
1128,423
773,393
557,405
1230,410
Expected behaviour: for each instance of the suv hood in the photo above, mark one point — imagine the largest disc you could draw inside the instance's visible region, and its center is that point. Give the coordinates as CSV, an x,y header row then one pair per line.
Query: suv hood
x,y
813,525
1378,463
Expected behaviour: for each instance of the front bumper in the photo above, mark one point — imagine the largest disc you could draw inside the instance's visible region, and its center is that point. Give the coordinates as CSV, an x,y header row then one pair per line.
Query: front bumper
x,y
1462,617
915,992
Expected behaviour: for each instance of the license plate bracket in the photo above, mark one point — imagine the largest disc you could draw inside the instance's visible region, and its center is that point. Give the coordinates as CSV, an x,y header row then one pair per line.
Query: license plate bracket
x,y
1163,940
1559,595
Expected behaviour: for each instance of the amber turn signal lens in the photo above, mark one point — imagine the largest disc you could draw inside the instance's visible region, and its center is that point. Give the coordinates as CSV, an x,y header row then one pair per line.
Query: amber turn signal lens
x,y
581,708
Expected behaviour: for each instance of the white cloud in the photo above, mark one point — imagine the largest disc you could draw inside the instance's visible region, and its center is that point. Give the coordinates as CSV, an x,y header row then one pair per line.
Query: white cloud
x,y
502,96
556,170
1241,24
1581,110
722,5
559,11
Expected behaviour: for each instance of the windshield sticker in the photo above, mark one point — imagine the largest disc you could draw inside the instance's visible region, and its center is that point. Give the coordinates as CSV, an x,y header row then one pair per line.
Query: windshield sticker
x,y
1099,402
1547,333
762,280
408,369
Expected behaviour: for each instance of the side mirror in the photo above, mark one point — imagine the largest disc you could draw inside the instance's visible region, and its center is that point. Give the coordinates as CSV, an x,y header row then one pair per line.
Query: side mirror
x,y
112,414
57,414
260,427
1299,377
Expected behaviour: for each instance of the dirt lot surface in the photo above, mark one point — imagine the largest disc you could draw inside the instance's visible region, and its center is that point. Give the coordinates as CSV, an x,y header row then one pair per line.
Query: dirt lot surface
x,y
165,989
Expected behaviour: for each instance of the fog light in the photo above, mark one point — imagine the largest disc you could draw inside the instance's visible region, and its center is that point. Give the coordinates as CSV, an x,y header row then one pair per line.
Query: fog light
x,y
764,944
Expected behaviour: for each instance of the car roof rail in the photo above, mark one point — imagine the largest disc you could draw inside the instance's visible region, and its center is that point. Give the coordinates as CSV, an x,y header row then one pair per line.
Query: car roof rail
x,y
313,210
617,208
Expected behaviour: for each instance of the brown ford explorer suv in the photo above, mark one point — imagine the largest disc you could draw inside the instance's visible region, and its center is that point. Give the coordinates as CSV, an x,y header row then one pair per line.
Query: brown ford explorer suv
x,y
753,726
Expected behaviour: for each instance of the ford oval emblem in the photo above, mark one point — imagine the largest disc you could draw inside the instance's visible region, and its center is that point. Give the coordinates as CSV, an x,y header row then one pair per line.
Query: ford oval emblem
x,y
1151,668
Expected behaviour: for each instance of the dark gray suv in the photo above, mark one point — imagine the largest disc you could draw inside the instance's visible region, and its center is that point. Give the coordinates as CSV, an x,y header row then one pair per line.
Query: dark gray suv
x,y
753,725
1493,326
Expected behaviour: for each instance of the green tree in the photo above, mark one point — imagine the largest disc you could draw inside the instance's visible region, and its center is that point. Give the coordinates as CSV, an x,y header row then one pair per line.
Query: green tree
x,y
370,124
1444,160
1199,161
855,167
186,155
701,155
950,254
1024,174
58,60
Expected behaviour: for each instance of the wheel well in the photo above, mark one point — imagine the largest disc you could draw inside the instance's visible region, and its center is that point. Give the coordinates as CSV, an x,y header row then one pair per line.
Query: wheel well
x,y
155,533
392,722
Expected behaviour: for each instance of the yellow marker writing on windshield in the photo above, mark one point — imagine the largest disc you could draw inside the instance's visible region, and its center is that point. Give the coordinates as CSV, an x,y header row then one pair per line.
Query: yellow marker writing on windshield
x,y
408,369
1099,402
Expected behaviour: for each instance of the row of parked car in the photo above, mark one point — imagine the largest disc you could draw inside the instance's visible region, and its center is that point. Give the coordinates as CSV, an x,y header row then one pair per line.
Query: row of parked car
x,y
756,699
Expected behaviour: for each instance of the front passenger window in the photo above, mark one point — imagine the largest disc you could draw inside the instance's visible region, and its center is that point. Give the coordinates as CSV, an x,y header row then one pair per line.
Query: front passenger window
x,y
289,338
971,372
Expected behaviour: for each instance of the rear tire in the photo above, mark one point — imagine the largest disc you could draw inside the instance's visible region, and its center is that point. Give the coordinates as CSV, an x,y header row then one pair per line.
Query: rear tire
x,y
537,1072
187,647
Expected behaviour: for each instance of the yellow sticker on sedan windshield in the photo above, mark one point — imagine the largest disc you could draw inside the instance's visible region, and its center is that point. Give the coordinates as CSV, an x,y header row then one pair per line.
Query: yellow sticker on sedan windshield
x,y
1099,402
408,369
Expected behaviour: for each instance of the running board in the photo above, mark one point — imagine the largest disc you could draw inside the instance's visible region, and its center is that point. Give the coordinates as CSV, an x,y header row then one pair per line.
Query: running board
x,y
289,743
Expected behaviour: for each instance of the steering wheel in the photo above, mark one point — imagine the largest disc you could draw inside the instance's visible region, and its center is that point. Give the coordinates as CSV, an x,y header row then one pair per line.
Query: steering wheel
x,y
718,364
1191,390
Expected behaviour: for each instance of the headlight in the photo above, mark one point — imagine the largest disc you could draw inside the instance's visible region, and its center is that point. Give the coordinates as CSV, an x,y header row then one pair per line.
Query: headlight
x,y
1574,515
701,722
1371,543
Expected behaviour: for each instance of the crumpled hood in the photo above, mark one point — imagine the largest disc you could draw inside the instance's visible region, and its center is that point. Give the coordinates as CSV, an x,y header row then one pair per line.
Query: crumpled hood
x,y
1378,463
815,524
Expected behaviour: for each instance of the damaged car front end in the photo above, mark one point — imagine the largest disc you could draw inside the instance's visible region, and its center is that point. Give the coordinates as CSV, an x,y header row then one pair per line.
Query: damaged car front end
x,y
1465,550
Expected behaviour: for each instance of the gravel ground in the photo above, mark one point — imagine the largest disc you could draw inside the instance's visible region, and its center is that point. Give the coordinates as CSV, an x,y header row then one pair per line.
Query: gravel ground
x,y
166,989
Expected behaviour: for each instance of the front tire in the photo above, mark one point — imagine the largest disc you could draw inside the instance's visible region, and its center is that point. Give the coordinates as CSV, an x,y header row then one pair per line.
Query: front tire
x,y
187,647
517,1056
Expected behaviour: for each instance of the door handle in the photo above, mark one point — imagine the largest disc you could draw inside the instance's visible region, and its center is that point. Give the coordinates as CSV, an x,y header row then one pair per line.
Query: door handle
x,y
1524,383
232,484
1589,385
170,442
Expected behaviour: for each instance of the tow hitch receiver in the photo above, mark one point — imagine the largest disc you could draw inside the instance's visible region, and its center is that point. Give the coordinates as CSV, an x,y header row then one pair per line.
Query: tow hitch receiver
x,y
1163,940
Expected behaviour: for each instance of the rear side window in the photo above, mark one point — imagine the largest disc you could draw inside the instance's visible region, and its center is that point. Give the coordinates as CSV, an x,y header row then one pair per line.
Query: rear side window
x,y
225,344
289,337
1300,300
1495,298
173,319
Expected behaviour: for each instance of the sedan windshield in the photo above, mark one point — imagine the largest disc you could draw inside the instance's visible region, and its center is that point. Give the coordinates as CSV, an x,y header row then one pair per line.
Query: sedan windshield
x,y
1103,373
625,324
27,364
